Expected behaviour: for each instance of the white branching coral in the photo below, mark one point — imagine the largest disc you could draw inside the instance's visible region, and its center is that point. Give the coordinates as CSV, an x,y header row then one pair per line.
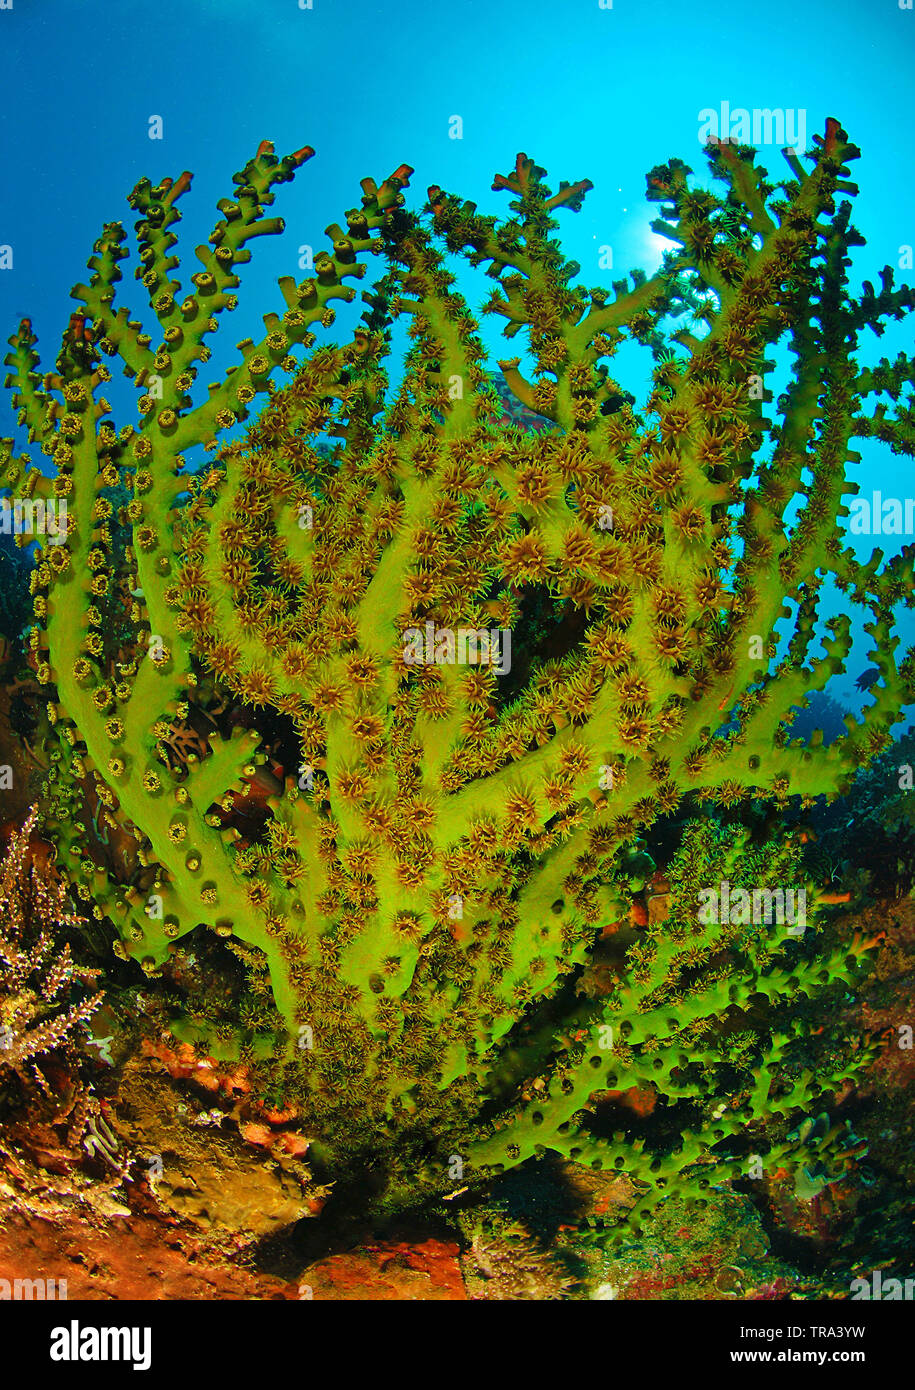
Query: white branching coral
x,y
37,973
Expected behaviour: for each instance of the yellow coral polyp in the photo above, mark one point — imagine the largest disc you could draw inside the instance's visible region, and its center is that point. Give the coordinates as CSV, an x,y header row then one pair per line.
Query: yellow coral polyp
x,y
452,844
102,698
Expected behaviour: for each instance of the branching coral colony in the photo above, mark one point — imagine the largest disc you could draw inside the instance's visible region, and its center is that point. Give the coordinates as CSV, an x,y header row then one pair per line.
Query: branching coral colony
x,y
38,974
433,864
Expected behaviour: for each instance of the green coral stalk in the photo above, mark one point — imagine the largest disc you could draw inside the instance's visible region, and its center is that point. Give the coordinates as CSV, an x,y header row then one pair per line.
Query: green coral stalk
x,y
443,830
706,1017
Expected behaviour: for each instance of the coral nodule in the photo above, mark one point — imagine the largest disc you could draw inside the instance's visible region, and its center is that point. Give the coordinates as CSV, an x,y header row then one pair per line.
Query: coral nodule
x,y
388,692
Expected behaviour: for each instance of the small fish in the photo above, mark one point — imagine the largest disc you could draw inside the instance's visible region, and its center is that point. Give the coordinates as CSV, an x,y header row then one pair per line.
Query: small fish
x,y
868,678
